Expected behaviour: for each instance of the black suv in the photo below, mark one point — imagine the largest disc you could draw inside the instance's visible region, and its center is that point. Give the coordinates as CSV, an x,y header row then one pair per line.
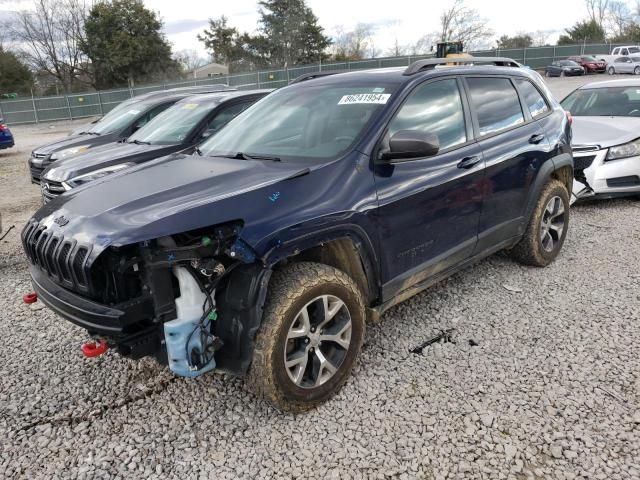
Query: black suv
x,y
322,205
126,118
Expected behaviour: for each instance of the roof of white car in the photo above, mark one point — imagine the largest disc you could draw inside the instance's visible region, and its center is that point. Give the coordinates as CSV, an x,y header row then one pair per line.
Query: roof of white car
x,y
612,83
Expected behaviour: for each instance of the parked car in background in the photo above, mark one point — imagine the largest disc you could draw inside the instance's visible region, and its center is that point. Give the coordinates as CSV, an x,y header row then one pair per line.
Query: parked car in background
x,y
624,65
326,203
606,138
184,124
6,137
590,63
625,51
119,123
563,68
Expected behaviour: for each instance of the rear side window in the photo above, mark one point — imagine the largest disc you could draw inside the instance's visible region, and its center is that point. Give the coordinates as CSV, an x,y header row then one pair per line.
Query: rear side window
x,y
532,98
496,103
434,108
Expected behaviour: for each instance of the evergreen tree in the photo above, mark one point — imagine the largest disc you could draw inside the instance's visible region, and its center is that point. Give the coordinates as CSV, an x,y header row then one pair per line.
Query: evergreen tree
x,y
125,43
588,31
15,77
290,33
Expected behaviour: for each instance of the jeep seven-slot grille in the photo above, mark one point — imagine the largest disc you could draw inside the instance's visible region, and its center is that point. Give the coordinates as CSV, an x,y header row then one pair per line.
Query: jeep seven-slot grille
x,y
64,260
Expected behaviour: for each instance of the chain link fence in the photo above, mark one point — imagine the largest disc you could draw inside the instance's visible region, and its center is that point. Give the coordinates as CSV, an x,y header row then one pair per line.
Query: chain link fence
x,y
91,104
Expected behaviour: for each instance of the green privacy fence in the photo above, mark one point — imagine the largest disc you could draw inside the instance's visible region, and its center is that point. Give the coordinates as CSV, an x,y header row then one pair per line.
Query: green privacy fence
x,y
90,104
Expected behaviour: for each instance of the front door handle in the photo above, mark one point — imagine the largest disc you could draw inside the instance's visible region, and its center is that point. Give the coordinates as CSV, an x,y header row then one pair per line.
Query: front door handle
x,y
469,162
535,139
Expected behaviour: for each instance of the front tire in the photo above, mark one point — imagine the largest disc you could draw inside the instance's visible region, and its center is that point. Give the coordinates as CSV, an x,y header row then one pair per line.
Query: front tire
x,y
611,71
547,228
636,71
312,331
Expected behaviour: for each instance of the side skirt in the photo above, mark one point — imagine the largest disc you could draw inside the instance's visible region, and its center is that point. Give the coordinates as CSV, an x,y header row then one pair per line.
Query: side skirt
x,y
423,285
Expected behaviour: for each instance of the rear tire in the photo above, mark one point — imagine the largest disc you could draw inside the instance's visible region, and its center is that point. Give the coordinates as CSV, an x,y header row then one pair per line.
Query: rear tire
x,y
312,331
547,228
547,74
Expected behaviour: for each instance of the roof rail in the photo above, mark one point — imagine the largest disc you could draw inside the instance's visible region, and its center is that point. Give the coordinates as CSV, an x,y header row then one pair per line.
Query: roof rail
x,y
312,75
431,63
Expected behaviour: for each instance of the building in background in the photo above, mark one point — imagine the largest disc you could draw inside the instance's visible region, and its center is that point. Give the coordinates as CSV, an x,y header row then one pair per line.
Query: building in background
x,y
210,70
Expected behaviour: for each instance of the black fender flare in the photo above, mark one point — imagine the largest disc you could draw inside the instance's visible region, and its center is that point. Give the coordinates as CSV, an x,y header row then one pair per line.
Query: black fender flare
x,y
240,302
547,169
355,233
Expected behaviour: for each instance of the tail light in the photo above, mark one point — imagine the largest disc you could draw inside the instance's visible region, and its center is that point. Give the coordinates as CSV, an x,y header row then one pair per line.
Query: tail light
x,y
3,127
569,117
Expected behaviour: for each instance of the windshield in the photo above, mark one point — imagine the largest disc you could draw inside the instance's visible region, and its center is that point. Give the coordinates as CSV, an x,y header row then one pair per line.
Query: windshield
x,y
309,122
589,59
174,124
612,101
118,118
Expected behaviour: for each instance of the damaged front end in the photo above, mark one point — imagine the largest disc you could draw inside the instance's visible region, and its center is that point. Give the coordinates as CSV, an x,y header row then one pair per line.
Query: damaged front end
x,y
192,300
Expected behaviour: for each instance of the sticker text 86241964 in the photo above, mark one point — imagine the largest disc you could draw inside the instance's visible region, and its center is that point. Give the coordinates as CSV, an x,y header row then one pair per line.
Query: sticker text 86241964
x,y
380,98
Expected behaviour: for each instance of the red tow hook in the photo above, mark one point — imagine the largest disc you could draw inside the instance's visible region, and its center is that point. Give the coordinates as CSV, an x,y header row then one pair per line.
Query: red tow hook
x,y
29,298
95,349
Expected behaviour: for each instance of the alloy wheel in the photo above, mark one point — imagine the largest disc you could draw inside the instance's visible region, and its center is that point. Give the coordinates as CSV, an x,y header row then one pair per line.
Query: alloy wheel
x,y
552,224
317,341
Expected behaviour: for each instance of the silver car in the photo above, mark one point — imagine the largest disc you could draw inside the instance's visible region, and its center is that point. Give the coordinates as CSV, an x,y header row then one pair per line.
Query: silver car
x,y
606,138
624,65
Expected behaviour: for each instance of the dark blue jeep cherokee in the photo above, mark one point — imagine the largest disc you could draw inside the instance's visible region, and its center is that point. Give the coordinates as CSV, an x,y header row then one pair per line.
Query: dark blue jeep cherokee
x,y
322,205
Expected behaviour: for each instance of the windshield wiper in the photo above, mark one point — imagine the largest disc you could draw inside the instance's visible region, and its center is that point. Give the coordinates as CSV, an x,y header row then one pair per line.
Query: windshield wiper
x,y
246,156
89,133
140,142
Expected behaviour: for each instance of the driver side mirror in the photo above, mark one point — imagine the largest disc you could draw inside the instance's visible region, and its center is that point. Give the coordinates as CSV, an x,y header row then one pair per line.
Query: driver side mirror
x,y
410,144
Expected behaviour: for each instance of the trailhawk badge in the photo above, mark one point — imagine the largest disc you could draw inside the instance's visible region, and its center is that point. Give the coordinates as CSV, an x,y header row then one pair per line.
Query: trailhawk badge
x,y
61,221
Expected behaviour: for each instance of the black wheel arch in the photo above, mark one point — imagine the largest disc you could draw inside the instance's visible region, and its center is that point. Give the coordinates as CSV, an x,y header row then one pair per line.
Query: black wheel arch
x,y
560,168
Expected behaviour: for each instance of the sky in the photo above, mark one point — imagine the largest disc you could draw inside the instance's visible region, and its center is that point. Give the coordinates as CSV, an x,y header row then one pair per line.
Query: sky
x,y
404,20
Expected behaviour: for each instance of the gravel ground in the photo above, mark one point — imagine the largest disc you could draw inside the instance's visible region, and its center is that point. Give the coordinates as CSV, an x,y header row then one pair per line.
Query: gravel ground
x,y
550,388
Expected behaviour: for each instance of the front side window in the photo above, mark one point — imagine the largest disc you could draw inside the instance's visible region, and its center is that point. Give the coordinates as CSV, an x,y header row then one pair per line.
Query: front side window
x,y
303,123
433,108
496,103
532,98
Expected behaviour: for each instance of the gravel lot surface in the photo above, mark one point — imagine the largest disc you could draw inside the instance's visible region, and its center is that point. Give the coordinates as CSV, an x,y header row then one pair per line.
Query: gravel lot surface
x,y
551,388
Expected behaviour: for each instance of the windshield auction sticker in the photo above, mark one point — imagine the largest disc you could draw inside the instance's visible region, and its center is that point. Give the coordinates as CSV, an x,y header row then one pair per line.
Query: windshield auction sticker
x,y
380,98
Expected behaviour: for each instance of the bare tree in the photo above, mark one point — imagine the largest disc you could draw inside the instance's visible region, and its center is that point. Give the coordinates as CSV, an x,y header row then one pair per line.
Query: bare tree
x,y
189,60
355,44
618,18
50,36
541,37
460,23
597,10
425,45
397,50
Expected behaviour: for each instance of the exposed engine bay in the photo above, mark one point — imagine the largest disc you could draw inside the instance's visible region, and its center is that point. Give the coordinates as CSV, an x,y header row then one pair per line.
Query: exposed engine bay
x,y
170,295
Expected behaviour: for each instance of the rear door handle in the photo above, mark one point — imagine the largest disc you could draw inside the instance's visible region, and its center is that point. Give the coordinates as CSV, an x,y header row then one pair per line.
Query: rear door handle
x,y
535,139
469,162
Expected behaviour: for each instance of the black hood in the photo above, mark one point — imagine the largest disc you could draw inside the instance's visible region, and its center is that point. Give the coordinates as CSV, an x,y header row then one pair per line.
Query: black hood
x,y
165,196
77,141
104,156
